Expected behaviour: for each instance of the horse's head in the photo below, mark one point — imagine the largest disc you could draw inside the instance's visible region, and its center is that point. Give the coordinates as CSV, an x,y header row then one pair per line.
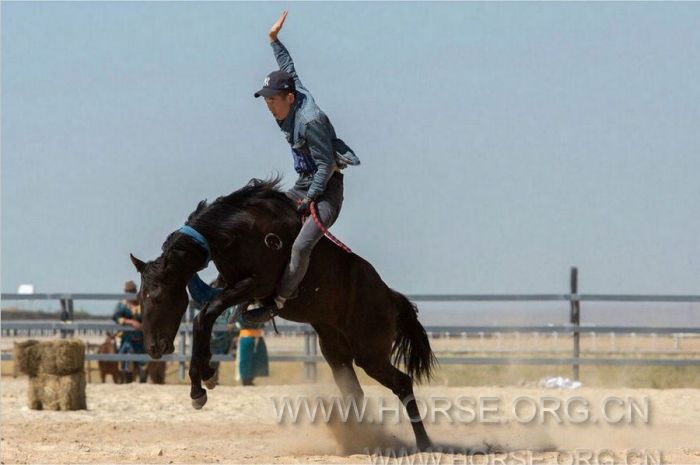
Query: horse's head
x,y
109,345
163,303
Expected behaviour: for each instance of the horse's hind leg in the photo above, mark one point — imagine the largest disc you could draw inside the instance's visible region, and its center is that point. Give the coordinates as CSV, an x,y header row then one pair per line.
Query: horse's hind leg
x,y
336,351
348,430
401,385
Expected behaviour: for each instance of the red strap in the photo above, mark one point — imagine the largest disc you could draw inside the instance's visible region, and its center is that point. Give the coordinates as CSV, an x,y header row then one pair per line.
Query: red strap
x,y
326,232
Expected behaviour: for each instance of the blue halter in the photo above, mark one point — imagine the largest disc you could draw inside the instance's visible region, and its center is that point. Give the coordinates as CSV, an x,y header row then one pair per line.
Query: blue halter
x,y
199,239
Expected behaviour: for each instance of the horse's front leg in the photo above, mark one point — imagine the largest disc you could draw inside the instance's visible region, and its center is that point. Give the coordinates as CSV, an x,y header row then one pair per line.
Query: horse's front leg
x,y
201,337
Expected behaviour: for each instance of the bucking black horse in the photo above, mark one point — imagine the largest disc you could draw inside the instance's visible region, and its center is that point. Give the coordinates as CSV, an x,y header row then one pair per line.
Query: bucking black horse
x,y
250,233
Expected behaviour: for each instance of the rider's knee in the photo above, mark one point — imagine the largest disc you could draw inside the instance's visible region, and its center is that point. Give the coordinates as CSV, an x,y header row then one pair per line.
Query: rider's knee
x,y
301,250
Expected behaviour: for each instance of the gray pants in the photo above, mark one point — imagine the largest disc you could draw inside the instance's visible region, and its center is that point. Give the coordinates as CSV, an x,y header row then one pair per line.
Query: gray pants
x,y
328,207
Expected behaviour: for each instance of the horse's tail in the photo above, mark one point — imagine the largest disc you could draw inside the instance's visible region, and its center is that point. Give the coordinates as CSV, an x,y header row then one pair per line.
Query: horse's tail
x,y
411,347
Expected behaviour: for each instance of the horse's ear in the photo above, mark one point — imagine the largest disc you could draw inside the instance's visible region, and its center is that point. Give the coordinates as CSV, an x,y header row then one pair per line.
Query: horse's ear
x,y
137,263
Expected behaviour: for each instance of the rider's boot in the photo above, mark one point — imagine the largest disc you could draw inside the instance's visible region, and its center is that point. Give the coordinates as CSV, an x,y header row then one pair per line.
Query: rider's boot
x,y
265,312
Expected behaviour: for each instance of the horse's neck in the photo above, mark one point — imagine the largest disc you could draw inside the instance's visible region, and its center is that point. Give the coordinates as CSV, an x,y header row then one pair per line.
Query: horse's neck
x,y
183,266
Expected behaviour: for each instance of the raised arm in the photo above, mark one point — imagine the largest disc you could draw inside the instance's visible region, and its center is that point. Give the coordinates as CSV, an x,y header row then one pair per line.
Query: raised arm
x,y
284,59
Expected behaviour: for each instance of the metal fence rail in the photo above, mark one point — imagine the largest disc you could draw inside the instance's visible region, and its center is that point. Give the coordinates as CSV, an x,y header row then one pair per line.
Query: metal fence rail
x,y
57,326
310,358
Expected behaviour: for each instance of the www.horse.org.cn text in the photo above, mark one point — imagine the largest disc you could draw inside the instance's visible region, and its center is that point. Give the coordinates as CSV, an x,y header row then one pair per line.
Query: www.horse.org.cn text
x,y
466,410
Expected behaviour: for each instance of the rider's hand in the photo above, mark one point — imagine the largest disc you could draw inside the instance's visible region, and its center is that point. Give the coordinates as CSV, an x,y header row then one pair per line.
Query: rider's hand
x,y
275,29
303,206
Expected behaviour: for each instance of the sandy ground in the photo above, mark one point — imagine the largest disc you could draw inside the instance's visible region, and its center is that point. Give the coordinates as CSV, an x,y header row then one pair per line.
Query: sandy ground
x,y
141,423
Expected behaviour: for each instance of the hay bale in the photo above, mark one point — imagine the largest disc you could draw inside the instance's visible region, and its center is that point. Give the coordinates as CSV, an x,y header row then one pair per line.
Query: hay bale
x,y
57,392
71,392
61,357
43,392
34,394
56,376
26,360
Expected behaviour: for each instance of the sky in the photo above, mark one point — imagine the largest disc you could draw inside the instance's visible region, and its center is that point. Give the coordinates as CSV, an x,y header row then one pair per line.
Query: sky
x,y
501,143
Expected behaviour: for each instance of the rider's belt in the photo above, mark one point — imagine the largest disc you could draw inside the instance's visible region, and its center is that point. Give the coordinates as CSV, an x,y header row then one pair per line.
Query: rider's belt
x,y
251,333
311,174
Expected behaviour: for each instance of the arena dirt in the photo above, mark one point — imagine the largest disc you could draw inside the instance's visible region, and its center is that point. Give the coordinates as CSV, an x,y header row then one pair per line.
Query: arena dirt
x,y
156,424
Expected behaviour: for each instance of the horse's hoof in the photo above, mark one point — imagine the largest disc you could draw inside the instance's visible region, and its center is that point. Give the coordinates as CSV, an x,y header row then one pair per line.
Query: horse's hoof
x,y
199,402
211,382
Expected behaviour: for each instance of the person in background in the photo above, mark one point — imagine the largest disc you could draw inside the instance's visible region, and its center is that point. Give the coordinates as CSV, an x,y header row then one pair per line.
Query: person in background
x,y
251,354
221,341
128,313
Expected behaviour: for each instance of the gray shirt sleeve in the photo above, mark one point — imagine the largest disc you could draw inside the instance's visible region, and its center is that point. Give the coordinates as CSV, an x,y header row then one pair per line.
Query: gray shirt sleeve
x,y
320,143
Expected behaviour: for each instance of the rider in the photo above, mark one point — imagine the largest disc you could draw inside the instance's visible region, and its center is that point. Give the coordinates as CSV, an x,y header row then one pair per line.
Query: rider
x,y
318,158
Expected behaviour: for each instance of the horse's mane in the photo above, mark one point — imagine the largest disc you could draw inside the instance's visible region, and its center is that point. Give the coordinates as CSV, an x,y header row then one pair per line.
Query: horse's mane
x,y
238,210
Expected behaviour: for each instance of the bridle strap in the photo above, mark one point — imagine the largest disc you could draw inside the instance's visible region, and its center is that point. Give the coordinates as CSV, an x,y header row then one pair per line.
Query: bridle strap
x,y
199,239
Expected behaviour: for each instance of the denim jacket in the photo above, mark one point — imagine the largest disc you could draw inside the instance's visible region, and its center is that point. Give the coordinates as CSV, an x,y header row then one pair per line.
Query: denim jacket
x,y
310,133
